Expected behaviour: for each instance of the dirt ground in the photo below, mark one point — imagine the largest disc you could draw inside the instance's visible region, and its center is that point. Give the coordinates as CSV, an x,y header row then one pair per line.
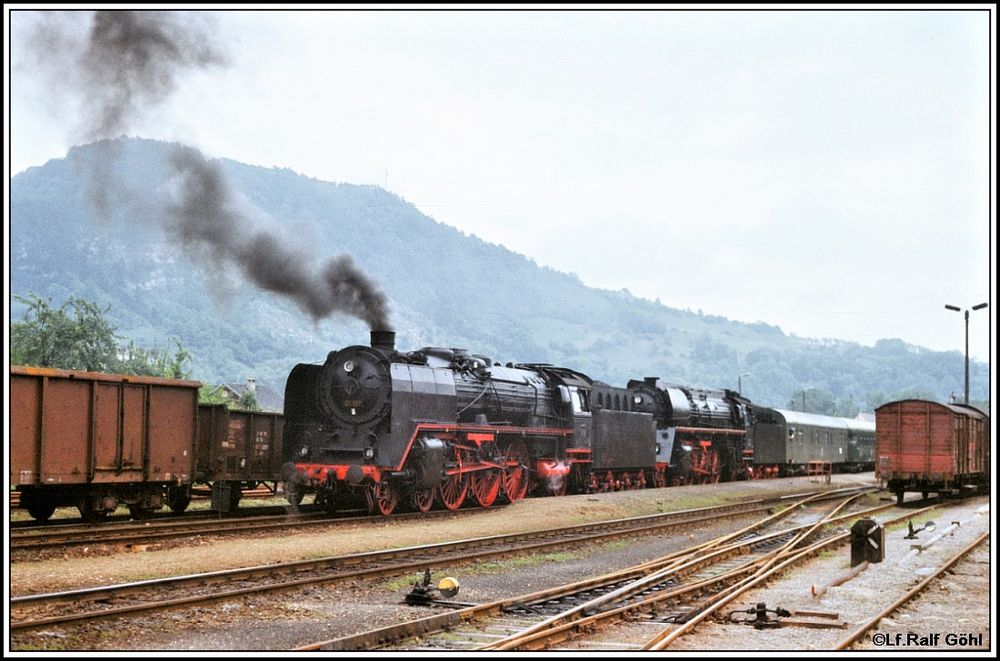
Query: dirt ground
x,y
286,621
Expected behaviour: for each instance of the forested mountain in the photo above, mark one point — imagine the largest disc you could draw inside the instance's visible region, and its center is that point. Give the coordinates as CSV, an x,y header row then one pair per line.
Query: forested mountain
x,y
444,287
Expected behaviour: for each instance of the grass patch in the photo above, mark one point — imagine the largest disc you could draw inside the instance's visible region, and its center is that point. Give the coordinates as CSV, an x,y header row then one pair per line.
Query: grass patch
x,y
494,566
402,582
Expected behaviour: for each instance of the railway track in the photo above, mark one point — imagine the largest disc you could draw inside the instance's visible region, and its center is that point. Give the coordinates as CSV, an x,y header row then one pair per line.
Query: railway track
x,y
131,534
165,514
136,534
666,592
44,610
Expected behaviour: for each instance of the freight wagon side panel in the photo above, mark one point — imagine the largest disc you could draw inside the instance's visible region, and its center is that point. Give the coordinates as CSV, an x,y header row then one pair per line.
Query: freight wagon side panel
x,y
65,438
85,427
172,430
916,438
929,442
213,426
255,442
976,450
25,429
981,452
888,440
266,446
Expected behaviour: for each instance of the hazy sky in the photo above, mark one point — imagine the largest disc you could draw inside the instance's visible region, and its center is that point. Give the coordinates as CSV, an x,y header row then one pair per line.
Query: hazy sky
x,y
825,171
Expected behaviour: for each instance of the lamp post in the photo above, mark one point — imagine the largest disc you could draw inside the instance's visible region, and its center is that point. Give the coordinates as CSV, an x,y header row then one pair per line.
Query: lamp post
x,y
739,381
958,309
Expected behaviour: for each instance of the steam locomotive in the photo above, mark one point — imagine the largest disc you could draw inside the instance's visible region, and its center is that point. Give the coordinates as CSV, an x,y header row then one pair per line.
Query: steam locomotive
x,y
387,427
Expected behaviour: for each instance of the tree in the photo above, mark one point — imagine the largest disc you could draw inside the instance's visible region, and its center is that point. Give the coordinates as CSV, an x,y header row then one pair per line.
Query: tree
x,y
846,408
135,360
77,336
248,401
209,394
74,336
813,400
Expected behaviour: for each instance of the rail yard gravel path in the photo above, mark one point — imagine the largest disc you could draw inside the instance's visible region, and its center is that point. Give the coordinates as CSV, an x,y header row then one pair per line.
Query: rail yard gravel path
x,y
286,621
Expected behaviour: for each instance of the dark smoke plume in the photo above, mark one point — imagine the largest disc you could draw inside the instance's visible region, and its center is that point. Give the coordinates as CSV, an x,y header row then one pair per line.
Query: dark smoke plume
x,y
205,217
123,64
128,62
131,61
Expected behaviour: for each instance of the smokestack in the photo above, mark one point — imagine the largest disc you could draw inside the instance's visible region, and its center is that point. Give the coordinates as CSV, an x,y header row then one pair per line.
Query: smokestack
x,y
384,340
650,381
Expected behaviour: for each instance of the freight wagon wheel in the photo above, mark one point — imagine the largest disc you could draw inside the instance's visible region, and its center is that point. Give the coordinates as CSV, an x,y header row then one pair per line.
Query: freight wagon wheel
x,y
40,510
659,478
381,497
515,475
422,499
452,490
486,486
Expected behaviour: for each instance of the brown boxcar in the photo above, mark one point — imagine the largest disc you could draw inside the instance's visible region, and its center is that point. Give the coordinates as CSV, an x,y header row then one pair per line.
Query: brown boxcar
x,y
97,440
930,447
235,448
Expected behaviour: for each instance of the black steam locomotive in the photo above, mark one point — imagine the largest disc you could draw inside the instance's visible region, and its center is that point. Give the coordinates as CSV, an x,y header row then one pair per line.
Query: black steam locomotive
x,y
376,424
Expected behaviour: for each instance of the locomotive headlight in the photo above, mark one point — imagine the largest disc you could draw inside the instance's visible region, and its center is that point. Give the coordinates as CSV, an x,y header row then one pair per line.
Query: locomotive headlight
x,y
637,399
369,453
349,366
304,450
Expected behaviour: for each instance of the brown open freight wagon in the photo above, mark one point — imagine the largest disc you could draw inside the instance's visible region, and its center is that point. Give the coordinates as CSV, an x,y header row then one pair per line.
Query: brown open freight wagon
x,y
95,441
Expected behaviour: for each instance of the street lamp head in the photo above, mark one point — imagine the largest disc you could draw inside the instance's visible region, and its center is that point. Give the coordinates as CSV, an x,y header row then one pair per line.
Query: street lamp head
x,y
956,309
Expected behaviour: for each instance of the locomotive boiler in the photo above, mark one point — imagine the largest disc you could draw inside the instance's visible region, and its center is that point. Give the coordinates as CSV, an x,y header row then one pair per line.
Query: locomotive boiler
x,y
384,426
703,434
